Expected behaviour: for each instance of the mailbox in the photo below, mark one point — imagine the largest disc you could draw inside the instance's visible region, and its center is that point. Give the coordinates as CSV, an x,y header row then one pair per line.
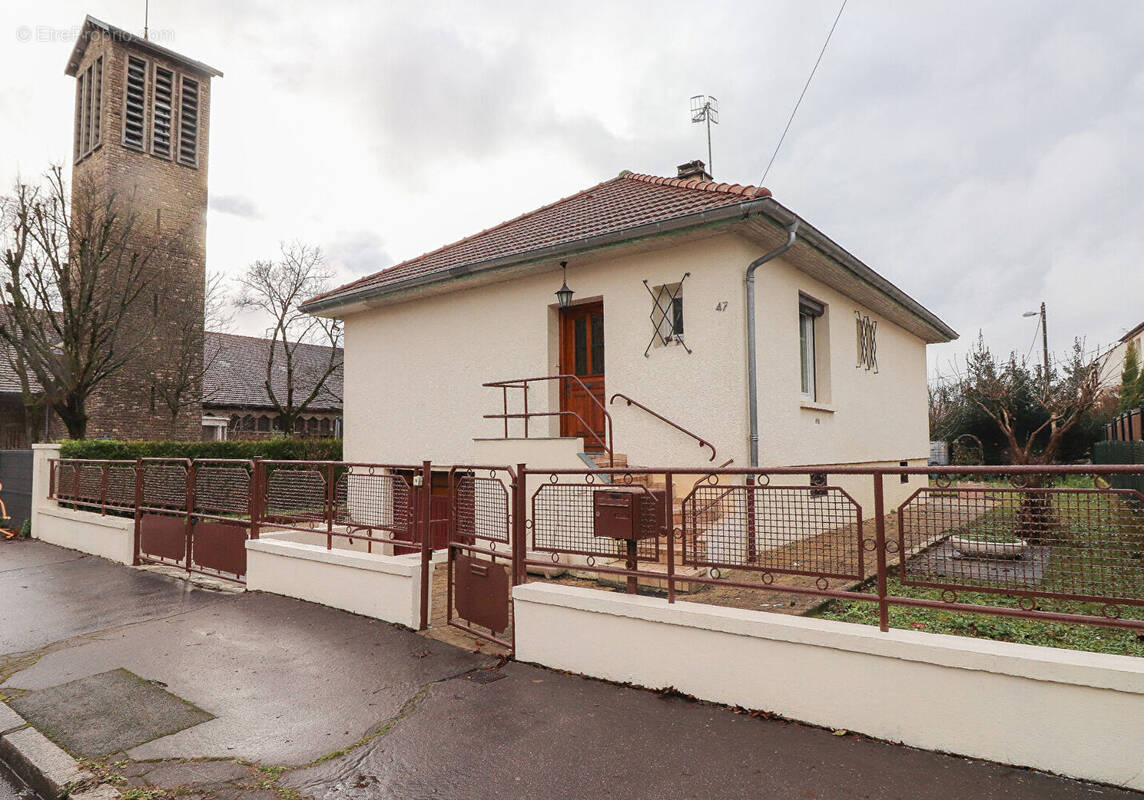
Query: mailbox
x,y
627,512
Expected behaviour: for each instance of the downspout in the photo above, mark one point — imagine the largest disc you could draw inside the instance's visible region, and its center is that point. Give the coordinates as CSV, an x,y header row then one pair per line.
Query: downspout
x,y
752,368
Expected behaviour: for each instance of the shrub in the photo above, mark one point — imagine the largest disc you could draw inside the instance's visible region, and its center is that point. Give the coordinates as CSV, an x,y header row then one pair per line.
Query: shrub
x,y
279,448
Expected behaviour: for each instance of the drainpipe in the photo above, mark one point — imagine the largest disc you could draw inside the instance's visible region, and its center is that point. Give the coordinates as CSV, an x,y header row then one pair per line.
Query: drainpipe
x,y
752,369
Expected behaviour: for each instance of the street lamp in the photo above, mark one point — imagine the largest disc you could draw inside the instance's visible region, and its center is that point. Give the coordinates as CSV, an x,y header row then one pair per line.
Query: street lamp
x,y
1044,336
564,294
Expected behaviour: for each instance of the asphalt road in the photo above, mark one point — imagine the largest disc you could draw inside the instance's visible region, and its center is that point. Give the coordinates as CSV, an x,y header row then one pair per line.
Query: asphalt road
x,y
350,707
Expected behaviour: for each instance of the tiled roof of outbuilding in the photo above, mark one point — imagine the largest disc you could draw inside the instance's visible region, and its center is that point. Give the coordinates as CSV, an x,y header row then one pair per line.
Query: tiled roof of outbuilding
x,y
236,373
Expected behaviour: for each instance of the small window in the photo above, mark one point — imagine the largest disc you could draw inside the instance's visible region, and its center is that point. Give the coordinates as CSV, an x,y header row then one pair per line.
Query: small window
x,y
667,314
161,110
808,313
818,482
133,102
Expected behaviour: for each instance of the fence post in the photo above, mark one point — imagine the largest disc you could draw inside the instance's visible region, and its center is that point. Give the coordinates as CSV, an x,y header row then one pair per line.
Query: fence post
x,y
103,490
329,507
426,495
190,513
519,531
136,561
880,549
255,500
669,520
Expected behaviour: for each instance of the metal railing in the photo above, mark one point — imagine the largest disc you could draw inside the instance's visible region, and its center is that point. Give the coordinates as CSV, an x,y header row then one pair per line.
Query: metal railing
x,y
606,441
702,442
1031,534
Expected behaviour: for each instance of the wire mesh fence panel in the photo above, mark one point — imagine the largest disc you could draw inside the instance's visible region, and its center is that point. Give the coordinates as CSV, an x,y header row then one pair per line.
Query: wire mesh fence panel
x,y
165,485
296,493
564,521
366,498
1073,543
802,530
121,487
481,506
65,481
222,489
90,482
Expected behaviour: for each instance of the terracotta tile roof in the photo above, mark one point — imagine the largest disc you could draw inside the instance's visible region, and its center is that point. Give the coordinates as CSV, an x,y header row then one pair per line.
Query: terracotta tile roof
x,y
236,373
626,201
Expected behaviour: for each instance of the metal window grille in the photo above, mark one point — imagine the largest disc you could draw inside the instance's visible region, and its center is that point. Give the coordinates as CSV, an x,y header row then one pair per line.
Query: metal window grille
x,y
667,314
867,341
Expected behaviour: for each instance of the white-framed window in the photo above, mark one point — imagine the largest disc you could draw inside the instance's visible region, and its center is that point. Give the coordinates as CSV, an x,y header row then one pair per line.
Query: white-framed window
x,y
668,312
809,312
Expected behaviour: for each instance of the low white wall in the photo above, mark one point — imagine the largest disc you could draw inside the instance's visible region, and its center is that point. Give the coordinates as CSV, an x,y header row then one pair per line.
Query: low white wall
x,y
110,537
372,584
1069,712
90,532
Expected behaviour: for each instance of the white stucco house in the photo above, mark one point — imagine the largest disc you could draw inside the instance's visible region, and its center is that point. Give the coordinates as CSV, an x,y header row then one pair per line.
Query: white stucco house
x,y
660,313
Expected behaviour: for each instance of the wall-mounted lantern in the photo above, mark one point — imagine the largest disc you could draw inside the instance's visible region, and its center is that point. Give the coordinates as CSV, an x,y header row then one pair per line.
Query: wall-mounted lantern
x,y
564,294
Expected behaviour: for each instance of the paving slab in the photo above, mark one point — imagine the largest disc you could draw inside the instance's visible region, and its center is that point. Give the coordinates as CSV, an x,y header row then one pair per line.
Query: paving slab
x,y
106,713
542,734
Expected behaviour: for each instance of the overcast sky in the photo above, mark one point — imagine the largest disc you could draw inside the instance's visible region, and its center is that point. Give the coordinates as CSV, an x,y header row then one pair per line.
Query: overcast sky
x,y
984,156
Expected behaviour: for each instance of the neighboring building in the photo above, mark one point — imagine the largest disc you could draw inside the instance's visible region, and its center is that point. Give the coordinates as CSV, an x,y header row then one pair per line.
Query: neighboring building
x,y
657,266
236,403
142,123
1114,358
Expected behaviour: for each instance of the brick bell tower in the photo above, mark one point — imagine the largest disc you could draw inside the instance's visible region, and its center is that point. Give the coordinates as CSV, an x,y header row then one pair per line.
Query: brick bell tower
x,y
142,123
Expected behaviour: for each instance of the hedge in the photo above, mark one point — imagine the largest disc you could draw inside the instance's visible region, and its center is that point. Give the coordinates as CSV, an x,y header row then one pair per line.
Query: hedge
x,y
277,448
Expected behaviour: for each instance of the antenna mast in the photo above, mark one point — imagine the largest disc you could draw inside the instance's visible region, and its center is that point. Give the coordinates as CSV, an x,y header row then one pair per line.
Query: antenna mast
x,y
706,109
146,16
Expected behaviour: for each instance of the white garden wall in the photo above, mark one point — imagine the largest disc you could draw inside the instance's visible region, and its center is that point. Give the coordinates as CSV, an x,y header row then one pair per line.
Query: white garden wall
x,y
1073,713
371,584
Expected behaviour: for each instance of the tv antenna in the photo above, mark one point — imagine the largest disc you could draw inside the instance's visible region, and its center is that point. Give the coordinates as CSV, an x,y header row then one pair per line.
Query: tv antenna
x,y
146,16
706,109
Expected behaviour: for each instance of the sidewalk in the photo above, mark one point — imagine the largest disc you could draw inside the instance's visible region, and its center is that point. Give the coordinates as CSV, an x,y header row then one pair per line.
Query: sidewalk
x,y
272,697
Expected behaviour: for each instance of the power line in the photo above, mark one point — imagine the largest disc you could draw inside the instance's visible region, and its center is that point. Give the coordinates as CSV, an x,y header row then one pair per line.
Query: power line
x,y
804,88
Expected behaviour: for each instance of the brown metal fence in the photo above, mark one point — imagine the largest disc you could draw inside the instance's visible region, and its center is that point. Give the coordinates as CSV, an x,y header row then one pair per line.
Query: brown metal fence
x,y
1030,534
1062,544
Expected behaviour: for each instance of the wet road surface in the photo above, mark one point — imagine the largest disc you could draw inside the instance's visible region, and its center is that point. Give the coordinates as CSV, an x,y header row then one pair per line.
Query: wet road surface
x,y
351,708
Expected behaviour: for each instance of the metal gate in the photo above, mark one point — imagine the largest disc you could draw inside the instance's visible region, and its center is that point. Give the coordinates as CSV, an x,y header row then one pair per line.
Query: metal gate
x,y
483,563
196,515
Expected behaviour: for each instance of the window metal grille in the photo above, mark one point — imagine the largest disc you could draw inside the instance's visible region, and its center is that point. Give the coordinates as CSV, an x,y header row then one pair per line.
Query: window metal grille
x,y
867,330
667,314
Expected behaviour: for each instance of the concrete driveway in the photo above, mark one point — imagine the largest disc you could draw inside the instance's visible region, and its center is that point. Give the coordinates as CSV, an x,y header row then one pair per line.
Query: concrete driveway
x,y
302,698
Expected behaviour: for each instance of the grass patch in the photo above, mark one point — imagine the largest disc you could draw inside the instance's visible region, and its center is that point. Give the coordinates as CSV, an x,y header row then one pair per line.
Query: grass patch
x,y
982,626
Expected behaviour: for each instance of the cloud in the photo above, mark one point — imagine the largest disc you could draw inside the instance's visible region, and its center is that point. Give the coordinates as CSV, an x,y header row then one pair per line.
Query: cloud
x,y
238,205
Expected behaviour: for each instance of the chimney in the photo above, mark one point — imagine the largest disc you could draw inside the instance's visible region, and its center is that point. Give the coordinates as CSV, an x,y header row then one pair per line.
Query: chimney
x,y
693,169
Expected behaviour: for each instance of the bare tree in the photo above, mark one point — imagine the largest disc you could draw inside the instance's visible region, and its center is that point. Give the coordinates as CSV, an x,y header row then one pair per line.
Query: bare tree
x,y
177,376
277,289
72,277
946,408
1001,389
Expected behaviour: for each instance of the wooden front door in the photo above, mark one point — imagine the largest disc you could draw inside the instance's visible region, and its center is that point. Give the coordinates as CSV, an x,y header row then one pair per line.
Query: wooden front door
x,y
582,355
